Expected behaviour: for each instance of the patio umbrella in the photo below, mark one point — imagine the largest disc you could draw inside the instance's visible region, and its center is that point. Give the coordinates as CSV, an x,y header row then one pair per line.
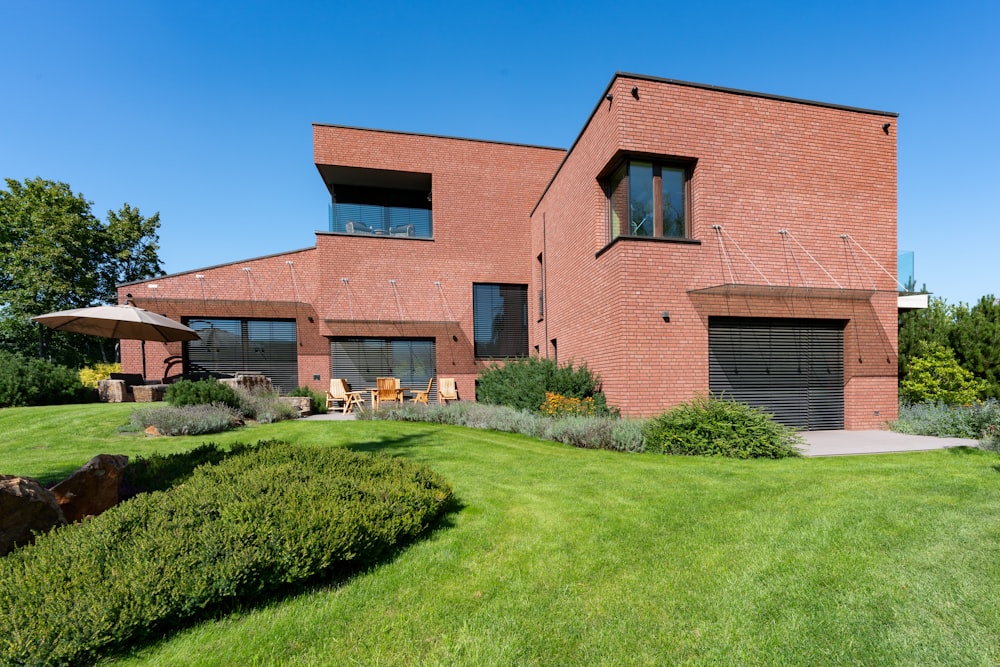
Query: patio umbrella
x,y
122,322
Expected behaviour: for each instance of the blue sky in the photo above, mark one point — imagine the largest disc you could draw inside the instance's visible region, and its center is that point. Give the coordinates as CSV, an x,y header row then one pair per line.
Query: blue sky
x,y
203,110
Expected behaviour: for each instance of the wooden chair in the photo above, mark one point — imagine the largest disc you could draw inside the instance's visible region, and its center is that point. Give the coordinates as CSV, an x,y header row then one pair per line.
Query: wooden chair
x,y
421,395
341,391
386,389
447,390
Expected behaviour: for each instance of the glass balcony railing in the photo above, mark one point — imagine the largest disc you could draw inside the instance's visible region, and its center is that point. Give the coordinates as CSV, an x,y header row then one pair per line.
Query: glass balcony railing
x,y
371,220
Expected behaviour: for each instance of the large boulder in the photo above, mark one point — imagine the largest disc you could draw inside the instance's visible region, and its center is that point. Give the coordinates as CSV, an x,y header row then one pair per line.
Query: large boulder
x,y
25,506
93,488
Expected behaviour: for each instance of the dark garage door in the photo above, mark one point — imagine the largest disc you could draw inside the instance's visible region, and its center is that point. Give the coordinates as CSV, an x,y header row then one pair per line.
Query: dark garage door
x,y
792,368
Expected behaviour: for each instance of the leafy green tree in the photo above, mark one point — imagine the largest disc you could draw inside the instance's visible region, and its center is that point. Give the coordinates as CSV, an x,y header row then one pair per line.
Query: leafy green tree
x,y
936,376
918,328
131,252
54,255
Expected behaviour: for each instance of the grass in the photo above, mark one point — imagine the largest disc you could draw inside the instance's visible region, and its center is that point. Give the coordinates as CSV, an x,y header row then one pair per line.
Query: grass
x,y
562,556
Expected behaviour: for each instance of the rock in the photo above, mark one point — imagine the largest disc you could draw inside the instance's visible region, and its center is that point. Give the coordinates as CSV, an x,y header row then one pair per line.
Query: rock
x,y
25,506
301,403
92,489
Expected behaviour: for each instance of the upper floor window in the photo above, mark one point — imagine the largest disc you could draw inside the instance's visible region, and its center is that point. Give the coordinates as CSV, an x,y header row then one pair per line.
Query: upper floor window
x,y
648,199
500,320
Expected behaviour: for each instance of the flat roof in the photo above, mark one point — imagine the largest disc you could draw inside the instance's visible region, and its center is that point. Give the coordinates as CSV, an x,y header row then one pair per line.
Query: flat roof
x,y
439,136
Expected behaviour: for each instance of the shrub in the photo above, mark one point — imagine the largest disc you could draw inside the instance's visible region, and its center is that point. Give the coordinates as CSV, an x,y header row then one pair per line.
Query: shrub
x,y
159,472
185,420
557,405
264,406
317,399
937,377
27,381
91,375
201,392
259,524
950,421
591,432
712,426
522,384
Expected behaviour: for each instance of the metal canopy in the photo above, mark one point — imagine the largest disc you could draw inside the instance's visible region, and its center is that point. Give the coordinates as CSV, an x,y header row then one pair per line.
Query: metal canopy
x,y
786,291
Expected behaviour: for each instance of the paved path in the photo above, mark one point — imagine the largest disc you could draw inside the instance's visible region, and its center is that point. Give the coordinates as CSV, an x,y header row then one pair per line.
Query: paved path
x,y
839,443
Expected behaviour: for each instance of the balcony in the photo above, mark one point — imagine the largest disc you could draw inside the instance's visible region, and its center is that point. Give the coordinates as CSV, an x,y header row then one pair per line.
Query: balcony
x,y
374,220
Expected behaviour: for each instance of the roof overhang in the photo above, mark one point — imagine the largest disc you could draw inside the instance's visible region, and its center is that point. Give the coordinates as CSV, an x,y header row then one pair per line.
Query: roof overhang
x,y
786,291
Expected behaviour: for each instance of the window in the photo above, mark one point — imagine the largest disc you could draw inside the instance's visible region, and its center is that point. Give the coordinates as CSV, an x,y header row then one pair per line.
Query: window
x,y
229,346
648,199
500,320
361,360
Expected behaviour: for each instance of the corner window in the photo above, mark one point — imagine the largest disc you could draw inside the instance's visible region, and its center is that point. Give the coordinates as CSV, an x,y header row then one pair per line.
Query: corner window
x,y
648,199
500,320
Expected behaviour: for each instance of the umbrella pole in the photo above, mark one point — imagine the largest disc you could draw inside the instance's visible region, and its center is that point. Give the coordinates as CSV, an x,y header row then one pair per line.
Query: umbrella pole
x,y
143,360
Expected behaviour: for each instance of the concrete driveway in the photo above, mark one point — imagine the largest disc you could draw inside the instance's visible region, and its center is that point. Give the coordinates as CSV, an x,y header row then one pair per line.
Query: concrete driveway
x,y
840,443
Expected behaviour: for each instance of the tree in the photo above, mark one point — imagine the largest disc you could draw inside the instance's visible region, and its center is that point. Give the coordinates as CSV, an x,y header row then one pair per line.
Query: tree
x,y
55,254
131,252
918,328
936,376
975,337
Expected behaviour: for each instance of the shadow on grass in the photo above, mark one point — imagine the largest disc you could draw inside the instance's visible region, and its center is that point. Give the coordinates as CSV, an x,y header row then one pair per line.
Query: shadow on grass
x,y
964,450
403,445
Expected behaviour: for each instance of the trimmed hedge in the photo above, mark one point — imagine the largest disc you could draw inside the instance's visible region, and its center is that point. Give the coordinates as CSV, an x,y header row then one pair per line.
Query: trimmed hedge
x,y
712,426
261,523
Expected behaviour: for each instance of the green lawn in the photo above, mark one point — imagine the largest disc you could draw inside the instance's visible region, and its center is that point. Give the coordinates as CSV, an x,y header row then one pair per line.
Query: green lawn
x,y
559,556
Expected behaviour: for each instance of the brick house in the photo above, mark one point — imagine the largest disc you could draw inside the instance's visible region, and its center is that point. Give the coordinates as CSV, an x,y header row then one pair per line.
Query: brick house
x,y
693,238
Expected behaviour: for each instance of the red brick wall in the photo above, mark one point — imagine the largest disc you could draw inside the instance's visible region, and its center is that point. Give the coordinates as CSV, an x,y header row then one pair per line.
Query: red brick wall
x,y
483,193
762,165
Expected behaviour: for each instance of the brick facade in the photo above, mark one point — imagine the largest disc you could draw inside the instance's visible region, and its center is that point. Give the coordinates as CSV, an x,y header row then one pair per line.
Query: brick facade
x,y
760,165
505,213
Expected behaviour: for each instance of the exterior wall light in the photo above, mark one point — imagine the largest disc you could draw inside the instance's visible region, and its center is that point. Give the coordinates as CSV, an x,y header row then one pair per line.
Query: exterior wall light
x,y
665,315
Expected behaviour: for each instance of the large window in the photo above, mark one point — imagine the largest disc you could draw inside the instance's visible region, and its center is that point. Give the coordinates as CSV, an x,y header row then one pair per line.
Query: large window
x,y
230,346
500,320
648,199
361,360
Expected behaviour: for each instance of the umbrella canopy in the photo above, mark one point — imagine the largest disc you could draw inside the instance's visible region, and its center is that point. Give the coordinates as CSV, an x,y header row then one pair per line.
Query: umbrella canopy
x,y
126,322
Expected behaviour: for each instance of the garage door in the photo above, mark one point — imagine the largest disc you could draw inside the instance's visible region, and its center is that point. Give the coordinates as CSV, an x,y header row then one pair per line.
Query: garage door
x,y
792,368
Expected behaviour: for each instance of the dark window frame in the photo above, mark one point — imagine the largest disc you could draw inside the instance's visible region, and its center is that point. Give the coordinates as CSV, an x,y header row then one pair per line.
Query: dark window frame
x,y
511,342
618,176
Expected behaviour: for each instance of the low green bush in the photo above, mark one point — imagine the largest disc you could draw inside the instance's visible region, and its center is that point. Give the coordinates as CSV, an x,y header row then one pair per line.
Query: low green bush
x,y
27,381
523,383
264,406
159,472
201,392
591,432
197,419
259,524
948,421
317,398
713,426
